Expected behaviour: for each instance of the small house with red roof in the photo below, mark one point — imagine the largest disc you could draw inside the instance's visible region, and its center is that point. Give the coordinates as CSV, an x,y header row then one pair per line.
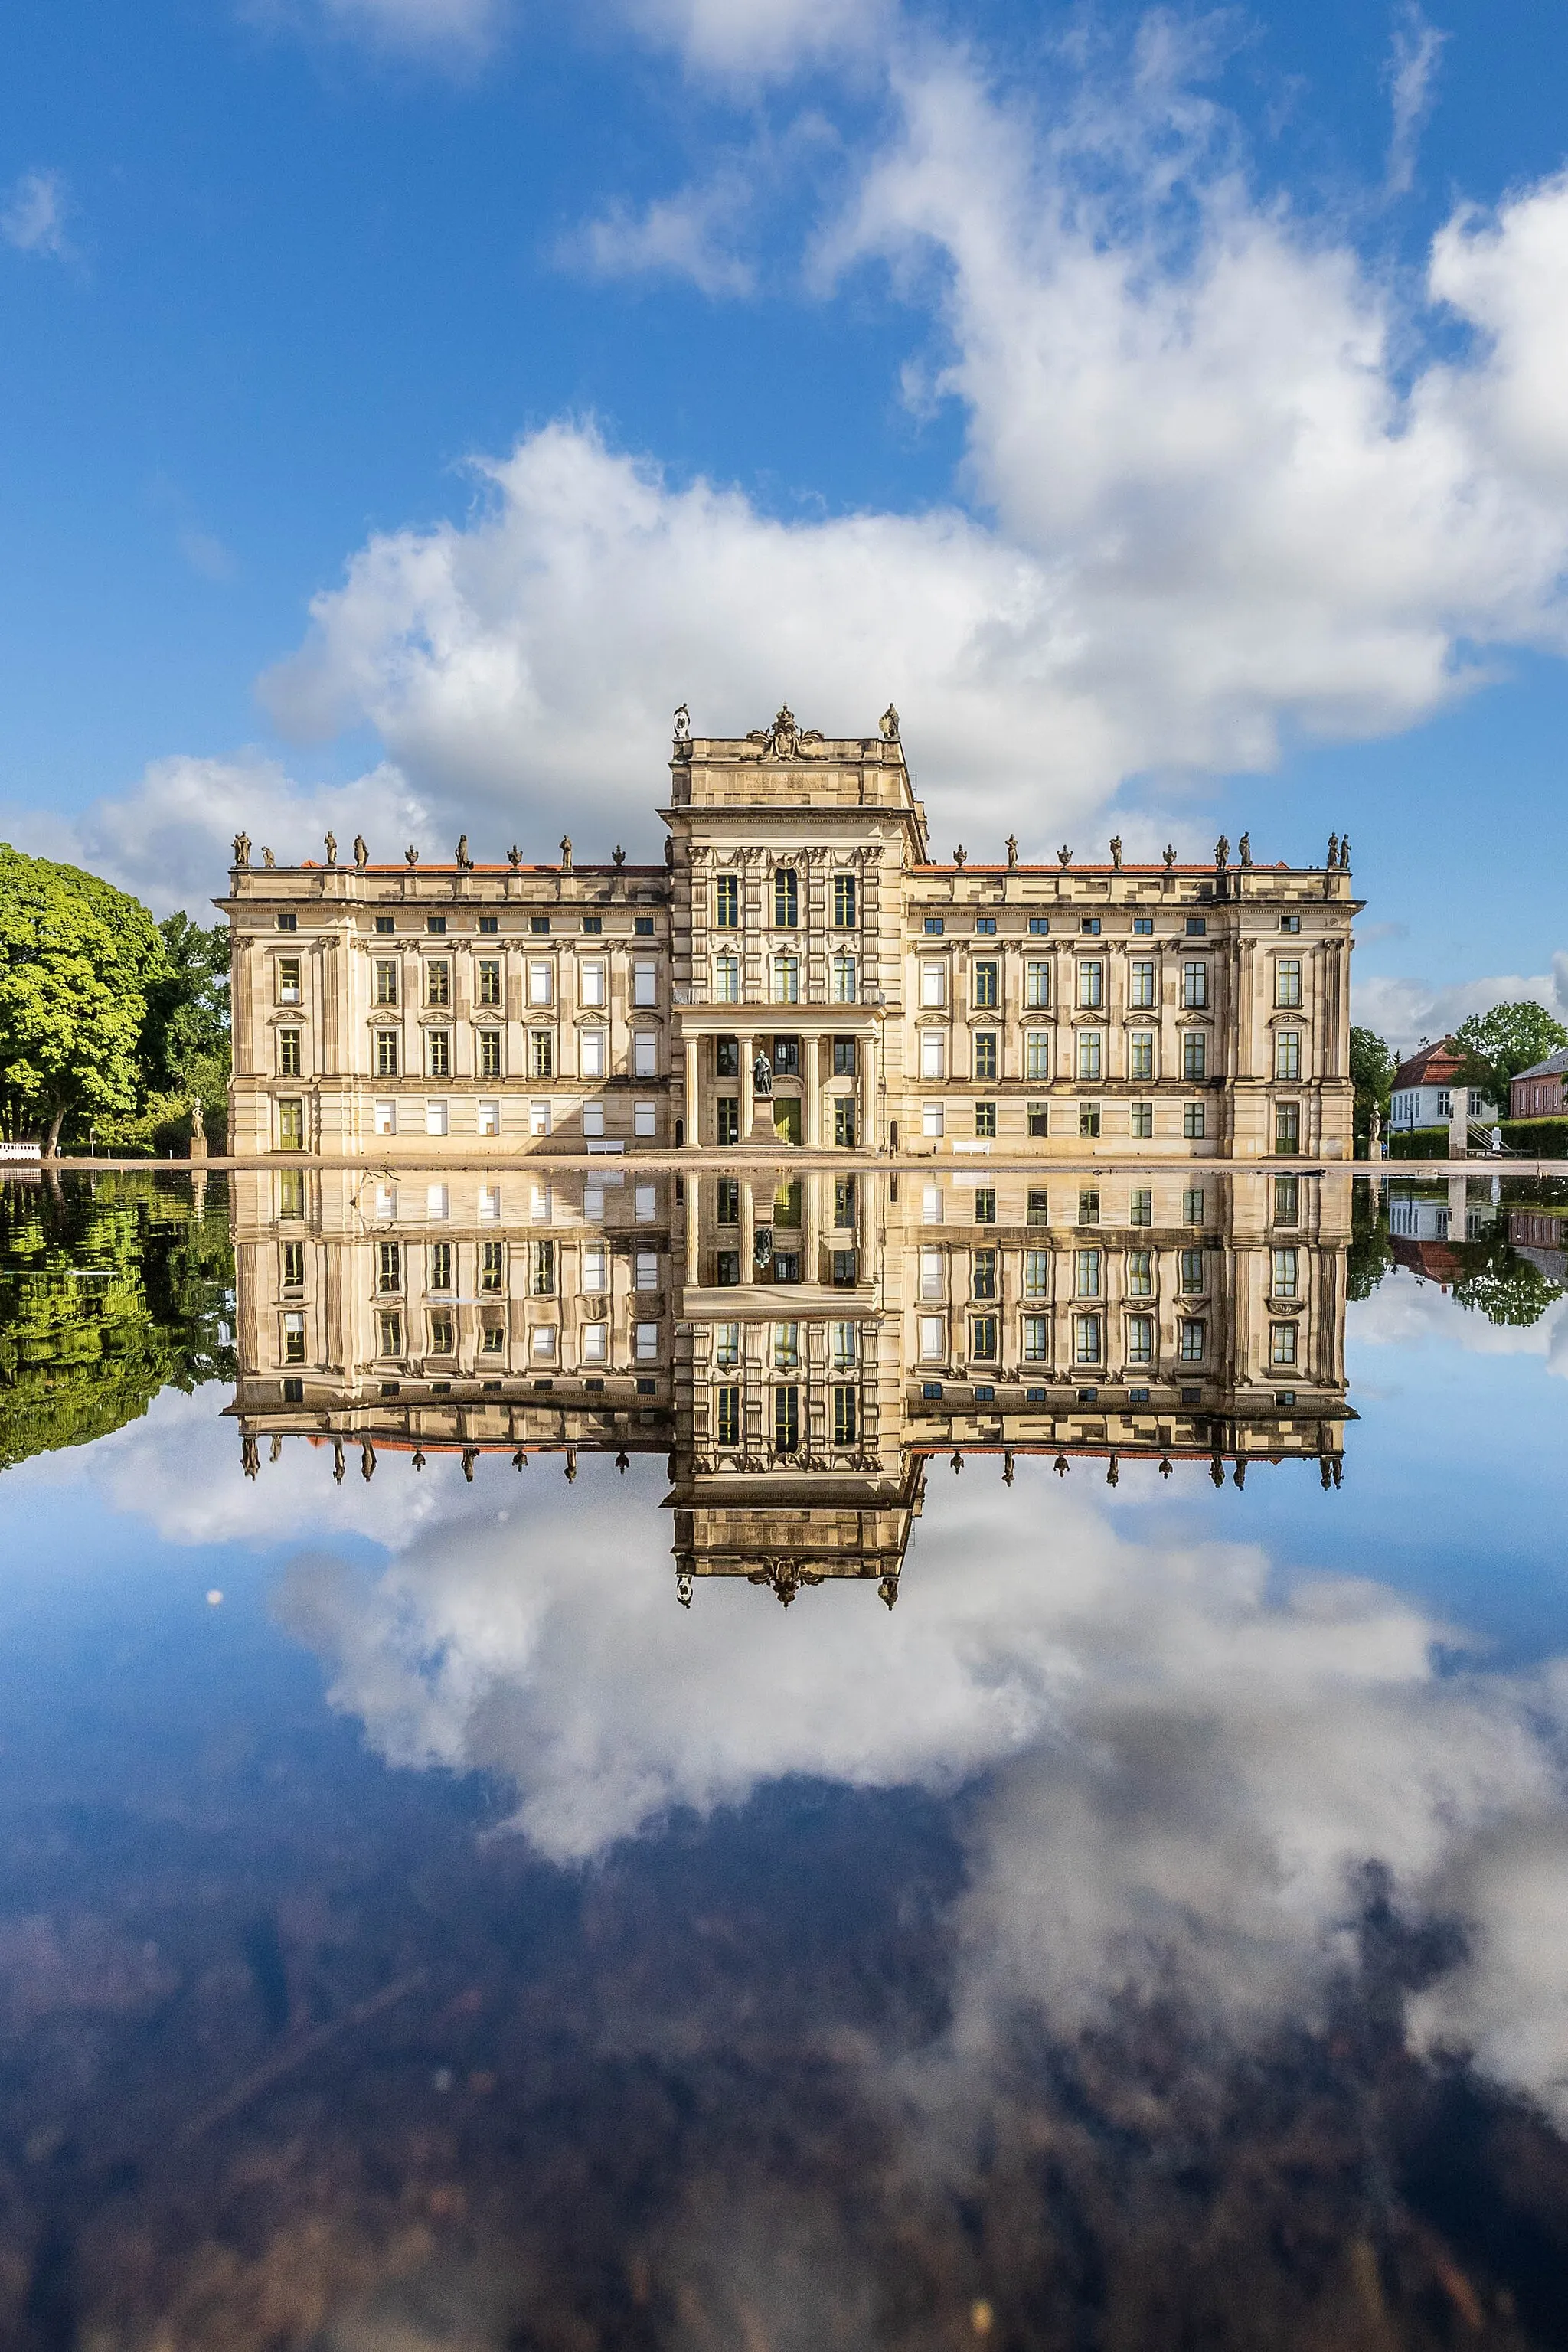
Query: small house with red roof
x,y
1423,1092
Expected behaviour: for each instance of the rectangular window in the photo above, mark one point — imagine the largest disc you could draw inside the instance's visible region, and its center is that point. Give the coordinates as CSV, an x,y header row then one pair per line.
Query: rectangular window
x,y
1086,1338
438,1053
645,1268
985,1204
987,985
1287,1200
436,924
1038,1210
983,1274
1288,1127
490,924
726,980
592,989
1140,985
1089,1119
845,912
1192,1270
488,1123
543,1342
439,983
933,1120
843,1200
726,1346
593,1118
645,1054
490,1053
290,1124
932,1283
933,1053
1037,1273
492,1340
986,1118
490,981
1287,1271
1085,1274
384,926
846,1416
1288,1055
1089,1208
1195,1057
645,983
389,1266
386,1053
389,1334
933,1339
544,1282
1089,1049
1141,1207
1036,985
1037,1054
288,922
728,1211
1288,980
1140,1339
289,1054
933,986
1290,922
593,1053
542,1053
985,1054
786,1421
595,1269
1140,1122
982,1338
1192,1121
786,898
1192,1333
645,1121
933,927
1140,1274
1090,986
385,980
727,1415
293,1266
1038,926
846,1057
1195,984
387,1202
931,1202
440,1266
844,980
844,1122
492,1267
288,979
1282,1343
1194,1207
727,902
727,1118
1036,1339
1197,926
443,1334
1039,1118
1140,1053
987,924
542,983
786,979
436,1201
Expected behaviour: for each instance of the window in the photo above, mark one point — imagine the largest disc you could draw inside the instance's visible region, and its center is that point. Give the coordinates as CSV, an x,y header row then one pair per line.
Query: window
x,y
1037,1206
1195,984
1445,1103
786,1419
595,1268
290,1124
843,1200
1086,1340
591,984
987,926
931,1274
645,1266
438,983
845,1417
983,1274
729,1201
488,1123
1140,1274
1141,1207
1192,1205
543,1341
1140,1121
645,1054
1286,1270
434,1118
385,980
727,1118
288,979
593,1118
1287,1127
844,979
933,927
1039,1118
645,983
726,980
436,1200
982,1338
845,911
1192,1121
1290,922
1288,980
542,1052
985,1119
786,979
539,926
1192,1269
1089,1119
1090,986
288,922
542,983
387,1202
1089,1208
1090,1049
643,926
1085,1274
386,1058
645,1120
488,926
492,1340
389,1334
934,985
933,1339
438,1052
846,1057
1287,1200
1037,1273
543,1261
293,1266
985,1054
490,981
1089,923
1140,1339
727,1415
1036,1339
1140,1053
786,898
985,1204
1036,986
490,1054
1143,924
384,926
933,1053
289,1054
436,924
1195,1057
933,1120
492,1267
443,1333
844,1122
987,985
1193,1334
1282,1343
645,1204
388,1265
1140,986
1197,926
440,1274
1288,1055
726,1346
931,1202
727,902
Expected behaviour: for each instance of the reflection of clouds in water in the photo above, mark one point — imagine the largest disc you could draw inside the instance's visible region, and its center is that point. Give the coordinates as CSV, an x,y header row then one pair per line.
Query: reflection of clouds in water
x,y
1404,1313
1191,1770
179,1468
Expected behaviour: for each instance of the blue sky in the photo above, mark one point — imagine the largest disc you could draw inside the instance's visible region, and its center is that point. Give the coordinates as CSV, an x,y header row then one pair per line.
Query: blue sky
x,y
1163,406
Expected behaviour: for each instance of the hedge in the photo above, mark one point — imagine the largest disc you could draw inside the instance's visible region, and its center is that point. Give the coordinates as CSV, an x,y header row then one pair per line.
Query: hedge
x,y
1532,1138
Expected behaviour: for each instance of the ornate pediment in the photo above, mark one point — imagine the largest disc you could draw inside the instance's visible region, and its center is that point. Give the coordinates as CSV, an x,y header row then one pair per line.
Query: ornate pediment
x,y
784,739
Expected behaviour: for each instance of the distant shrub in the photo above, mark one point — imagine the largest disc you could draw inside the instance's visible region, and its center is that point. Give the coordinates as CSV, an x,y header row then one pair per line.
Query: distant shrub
x,y
1537,1138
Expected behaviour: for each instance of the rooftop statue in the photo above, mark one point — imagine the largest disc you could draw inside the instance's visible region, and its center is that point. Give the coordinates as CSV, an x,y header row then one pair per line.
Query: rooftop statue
x,y
1012,849
1333,849
1345,853
1063,855
241,851
514,857
1116,851
1221,854
889,724
618,855
566,852
362,852
1244,849
1170,856
464,860
269,860
412,854
961,856
683,725
332,849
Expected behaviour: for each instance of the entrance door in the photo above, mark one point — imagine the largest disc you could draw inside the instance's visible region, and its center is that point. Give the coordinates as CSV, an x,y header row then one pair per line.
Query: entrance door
x,y
786,1117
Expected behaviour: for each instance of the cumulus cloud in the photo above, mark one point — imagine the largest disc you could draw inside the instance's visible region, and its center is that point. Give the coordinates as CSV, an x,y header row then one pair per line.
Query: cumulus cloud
x,y
34,215
690,235
1208,499
1405,1010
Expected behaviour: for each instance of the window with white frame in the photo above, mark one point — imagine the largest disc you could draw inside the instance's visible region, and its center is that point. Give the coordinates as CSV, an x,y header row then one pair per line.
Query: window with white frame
x,y
645,1204
1090,986
437,1202
1036,1339
931,1202
1282,1343
386,1118
727,979
1090,1053
591,990
645,1054
645,1120
487,1114
1140,985
645,1266
542,983
933,1053
1087,1332
648,1343
1037,1273
386,1201
596,1341
931,1274
1287,1274
645,983
434,1118
933,1120
593,1118
591,1051
1140,1338
539,1119
1140,1053
1036,986
933,1339
786,979
933,986
1085,1274
541,1340
1288,1055
1037,1054
595,1268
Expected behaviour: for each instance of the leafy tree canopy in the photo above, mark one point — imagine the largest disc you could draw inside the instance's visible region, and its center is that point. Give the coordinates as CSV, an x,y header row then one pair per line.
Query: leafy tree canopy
x,y
1499,1044
77,959
1373,1065
187,1008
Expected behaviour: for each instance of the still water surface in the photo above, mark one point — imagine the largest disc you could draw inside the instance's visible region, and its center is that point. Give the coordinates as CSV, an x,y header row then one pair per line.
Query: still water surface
x,y
418,1929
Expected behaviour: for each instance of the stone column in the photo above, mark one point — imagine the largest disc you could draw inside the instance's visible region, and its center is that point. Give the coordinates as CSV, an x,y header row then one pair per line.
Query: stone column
x,y
811,1047
868,1090
693,1098
1458,1123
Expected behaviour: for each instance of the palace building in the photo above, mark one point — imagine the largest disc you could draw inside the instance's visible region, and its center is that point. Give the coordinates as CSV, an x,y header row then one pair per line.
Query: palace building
x,y
800,972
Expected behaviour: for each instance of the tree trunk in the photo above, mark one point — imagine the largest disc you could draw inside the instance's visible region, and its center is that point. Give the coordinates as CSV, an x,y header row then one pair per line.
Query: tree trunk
x,y
52,1143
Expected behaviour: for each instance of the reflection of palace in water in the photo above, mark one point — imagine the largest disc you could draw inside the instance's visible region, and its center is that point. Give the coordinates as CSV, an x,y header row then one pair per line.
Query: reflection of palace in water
x,y
798,1347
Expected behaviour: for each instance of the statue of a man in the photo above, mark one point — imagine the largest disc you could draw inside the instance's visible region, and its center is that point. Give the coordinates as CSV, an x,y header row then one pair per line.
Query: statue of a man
x,y
268,860
888,723
242,850
1244,849
1012,849
1116,851
362,852
461,852
1333,849
1345,853
566,852
332,849
1221,854
763,1078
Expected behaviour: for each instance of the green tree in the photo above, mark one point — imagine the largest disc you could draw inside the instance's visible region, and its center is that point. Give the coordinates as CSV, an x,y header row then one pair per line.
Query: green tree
x,y
77,959
187,1009
1373,1065
1497,1044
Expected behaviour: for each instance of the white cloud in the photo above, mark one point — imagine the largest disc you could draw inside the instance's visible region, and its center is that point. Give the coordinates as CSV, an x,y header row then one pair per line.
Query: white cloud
x,y
34,215
747,37
1405,1010
1414,56
690,235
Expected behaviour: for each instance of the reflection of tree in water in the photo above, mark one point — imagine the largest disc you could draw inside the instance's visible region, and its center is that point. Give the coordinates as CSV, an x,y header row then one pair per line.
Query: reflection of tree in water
x,y
107,1293
1497,1282
1371,1253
